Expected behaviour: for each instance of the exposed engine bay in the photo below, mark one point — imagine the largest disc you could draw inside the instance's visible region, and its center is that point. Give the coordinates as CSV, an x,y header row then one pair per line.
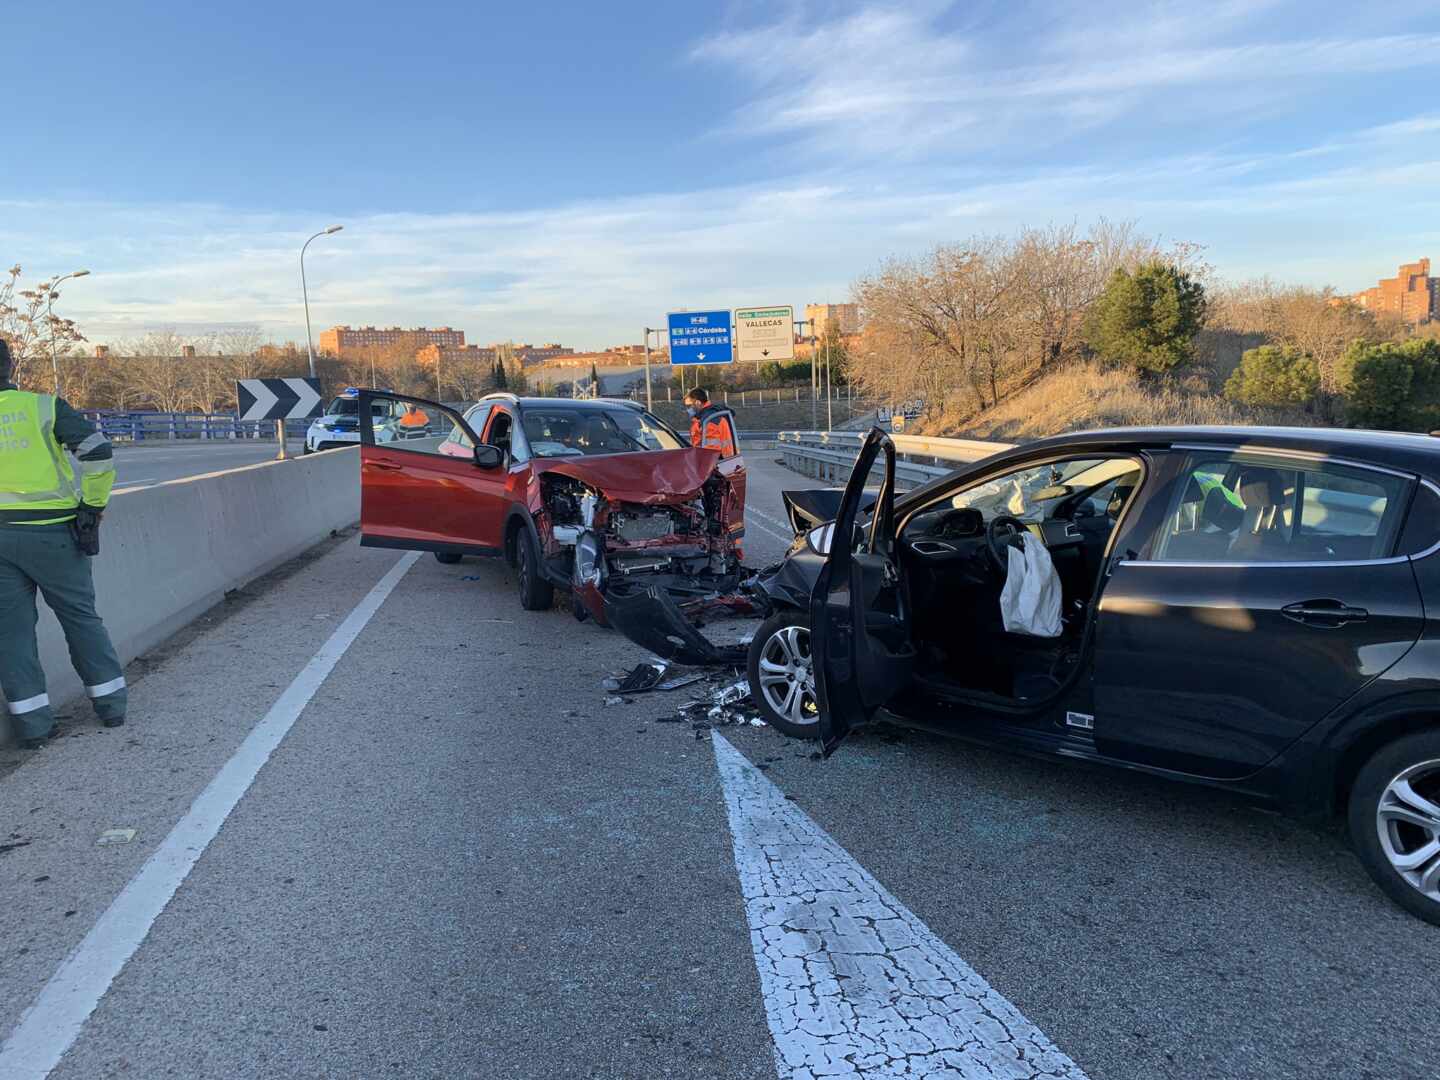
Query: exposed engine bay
x,y
604,547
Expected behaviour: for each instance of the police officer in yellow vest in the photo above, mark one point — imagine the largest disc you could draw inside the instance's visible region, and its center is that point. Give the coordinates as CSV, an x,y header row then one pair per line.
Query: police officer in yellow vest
x,y
46,531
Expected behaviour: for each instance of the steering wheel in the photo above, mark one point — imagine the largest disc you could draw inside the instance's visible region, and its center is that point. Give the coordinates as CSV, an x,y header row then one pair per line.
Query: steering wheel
x,y
1003,531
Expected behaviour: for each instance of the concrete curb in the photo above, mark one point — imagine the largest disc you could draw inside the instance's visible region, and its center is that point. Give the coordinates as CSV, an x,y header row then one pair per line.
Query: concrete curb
x,y
171,552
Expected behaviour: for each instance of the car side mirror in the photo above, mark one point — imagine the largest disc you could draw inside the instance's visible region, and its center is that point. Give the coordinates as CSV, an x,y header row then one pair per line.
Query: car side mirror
x,y
488,457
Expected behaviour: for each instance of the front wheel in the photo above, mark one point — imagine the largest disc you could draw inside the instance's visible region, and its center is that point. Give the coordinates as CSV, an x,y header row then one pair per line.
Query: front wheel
x,y
782,675
536,594
1394,818
449,558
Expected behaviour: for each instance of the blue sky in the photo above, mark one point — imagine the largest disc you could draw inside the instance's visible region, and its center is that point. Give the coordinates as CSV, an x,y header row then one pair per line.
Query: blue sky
x,y
572,171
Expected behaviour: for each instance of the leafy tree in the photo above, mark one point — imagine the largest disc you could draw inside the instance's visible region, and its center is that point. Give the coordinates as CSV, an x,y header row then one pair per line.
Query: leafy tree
x,y
498,379
1147,319
1274,375
1389,385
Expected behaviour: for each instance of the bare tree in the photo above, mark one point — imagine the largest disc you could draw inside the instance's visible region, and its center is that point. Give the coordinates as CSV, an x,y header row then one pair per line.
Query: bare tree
x,y
27,323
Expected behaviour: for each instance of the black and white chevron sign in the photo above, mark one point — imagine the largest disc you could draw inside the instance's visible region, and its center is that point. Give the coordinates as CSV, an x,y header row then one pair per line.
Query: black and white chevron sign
x,y
278,399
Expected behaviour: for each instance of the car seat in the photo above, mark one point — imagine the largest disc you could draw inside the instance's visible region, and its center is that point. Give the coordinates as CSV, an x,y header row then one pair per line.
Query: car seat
x,y
1261,528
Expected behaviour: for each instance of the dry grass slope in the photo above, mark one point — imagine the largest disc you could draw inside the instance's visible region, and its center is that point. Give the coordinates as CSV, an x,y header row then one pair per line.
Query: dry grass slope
x,y
1092,394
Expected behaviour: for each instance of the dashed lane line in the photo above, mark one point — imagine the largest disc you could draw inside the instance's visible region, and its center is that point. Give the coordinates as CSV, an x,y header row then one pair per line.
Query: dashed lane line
x,y
49,1027
855,985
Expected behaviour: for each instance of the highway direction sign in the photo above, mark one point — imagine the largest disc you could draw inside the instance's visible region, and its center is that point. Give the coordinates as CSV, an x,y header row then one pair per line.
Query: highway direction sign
x,y
278,399
700,337
763,334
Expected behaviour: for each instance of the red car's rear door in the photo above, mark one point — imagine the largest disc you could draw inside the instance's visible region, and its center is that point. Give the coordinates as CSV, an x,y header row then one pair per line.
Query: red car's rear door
x,y
419,493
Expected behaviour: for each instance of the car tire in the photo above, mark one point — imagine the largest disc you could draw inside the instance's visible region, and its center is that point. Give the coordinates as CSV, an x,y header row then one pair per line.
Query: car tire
x,y
449,558
779,659
307,449
1390,825
536,594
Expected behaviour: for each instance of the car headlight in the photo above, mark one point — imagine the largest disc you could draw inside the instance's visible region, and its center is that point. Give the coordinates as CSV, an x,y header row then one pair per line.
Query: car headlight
x,y
819,538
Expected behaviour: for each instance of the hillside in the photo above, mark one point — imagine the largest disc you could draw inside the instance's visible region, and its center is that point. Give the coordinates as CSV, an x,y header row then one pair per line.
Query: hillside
x,y
1091,394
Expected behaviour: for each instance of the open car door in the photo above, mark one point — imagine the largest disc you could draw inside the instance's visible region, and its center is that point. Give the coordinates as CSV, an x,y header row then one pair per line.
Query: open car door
x,y
429,484
859,609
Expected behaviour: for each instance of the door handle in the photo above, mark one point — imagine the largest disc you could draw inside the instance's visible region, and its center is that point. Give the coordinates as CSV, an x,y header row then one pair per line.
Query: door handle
x,y
1327,614
386,465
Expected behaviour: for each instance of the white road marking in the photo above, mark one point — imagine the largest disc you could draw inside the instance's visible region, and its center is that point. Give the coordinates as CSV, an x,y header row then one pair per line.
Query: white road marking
x,y
854,983
52,1023
776,528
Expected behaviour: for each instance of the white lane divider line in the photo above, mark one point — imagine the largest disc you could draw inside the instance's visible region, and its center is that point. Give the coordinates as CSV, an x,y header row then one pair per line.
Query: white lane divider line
x,y
854,983
786,540
52,1023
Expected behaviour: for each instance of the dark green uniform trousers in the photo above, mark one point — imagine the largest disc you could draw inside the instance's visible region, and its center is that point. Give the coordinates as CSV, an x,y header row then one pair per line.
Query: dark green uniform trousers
x,y
45,557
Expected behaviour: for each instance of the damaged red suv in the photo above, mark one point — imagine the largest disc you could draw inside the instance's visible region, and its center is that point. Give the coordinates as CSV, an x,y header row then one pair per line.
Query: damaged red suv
x,y
595,496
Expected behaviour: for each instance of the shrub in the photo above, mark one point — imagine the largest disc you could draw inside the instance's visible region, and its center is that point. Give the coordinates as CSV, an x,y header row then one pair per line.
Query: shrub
x,y
1274,375
1392,385
1147,319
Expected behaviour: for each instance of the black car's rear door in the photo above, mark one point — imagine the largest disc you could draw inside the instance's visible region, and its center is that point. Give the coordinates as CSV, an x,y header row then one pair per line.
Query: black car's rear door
x,y
1267,598
859,609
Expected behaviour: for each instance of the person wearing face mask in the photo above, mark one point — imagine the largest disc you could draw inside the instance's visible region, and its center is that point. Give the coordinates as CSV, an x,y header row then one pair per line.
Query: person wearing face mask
x,y
710,425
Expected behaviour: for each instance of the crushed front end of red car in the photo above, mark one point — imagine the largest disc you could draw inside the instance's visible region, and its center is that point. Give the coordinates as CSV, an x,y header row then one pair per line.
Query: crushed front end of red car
x,y
619,526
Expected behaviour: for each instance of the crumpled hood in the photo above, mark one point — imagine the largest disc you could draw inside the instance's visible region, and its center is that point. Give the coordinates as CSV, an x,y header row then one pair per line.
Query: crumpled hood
x,y
654,477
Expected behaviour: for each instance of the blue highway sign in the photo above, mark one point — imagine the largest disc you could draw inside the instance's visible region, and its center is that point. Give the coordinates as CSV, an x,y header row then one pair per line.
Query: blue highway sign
x,y
700,337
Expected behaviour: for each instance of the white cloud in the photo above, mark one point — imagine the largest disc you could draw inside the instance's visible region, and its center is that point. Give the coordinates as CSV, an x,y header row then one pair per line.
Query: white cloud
x,y
895,80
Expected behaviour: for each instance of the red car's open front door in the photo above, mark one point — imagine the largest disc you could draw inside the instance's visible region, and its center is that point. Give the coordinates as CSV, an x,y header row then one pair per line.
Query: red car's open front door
x,y
859,610
429,485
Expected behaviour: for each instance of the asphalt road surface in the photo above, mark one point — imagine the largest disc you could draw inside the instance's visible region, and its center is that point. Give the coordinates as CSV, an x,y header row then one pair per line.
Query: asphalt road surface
x,y
145,466
459,862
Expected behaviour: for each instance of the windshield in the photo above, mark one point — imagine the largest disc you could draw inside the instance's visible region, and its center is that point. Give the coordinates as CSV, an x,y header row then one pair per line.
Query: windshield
x,y
562,432
348,406
1024,494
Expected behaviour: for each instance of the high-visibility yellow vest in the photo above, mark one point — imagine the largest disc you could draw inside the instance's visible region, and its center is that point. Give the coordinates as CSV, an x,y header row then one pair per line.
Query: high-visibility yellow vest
x,y
35,472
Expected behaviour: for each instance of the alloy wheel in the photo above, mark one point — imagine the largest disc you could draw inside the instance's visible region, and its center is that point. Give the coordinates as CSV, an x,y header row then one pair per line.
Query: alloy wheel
x,y
1408,819
787,675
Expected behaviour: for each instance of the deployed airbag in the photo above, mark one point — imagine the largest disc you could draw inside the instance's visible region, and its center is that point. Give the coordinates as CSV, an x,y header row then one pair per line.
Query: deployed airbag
x,y
1030,600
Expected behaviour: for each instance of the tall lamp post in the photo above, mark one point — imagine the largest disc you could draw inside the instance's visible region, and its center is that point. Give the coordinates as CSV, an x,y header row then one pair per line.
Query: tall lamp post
x,y
50,295
329,230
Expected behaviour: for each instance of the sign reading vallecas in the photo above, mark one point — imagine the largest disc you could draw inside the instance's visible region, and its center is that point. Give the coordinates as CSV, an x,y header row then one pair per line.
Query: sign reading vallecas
x,y
763,334
700,337
278,399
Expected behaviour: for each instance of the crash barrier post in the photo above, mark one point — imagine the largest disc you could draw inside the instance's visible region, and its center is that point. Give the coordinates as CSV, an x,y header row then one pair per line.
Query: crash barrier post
x,y
170,552
830,455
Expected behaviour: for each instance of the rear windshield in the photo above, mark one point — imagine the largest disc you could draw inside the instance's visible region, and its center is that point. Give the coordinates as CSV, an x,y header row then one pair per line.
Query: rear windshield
x,y
562,432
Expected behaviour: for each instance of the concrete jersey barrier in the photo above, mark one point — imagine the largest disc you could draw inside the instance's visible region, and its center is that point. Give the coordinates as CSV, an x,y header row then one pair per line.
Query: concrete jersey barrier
x,y
172,551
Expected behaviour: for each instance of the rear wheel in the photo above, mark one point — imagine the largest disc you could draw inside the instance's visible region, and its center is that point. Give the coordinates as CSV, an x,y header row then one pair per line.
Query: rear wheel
x,y
1395,821
536,594
449,558
782,679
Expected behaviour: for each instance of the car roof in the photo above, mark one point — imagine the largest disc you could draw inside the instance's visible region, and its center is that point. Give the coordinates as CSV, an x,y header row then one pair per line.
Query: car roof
x,y
1396,449
560,403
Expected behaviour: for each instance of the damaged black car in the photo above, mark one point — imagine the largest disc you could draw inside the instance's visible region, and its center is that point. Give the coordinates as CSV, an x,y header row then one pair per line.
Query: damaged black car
x,y
1237,607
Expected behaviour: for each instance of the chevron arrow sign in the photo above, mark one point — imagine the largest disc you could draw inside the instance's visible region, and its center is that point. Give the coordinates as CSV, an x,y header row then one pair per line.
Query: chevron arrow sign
x,y
278,399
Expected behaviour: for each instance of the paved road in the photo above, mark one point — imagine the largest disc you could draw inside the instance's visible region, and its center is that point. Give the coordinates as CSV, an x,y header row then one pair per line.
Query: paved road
x,y
145,466
460,863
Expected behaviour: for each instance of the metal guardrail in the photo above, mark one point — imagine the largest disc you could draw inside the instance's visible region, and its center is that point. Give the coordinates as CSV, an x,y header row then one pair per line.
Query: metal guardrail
x,y
135,427
830,455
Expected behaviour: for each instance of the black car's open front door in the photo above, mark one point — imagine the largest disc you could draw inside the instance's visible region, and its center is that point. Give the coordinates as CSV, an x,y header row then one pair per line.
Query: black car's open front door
x,y
859,610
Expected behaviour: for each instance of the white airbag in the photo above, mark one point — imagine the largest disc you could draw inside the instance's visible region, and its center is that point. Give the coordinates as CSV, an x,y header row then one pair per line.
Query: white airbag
x,y
1030,600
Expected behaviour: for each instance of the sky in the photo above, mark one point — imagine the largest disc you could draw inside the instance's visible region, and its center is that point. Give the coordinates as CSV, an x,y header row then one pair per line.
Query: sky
x,y
570,172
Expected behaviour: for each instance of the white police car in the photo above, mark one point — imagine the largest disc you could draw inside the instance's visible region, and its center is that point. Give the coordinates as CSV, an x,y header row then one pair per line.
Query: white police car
x,y
340,424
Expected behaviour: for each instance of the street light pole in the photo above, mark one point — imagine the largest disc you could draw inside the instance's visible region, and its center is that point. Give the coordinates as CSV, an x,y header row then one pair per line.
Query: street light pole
x,y
329,230
50,295
649,399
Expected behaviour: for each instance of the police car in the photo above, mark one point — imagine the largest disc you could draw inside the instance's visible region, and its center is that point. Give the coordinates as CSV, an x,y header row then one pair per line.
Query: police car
x,y
340,424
